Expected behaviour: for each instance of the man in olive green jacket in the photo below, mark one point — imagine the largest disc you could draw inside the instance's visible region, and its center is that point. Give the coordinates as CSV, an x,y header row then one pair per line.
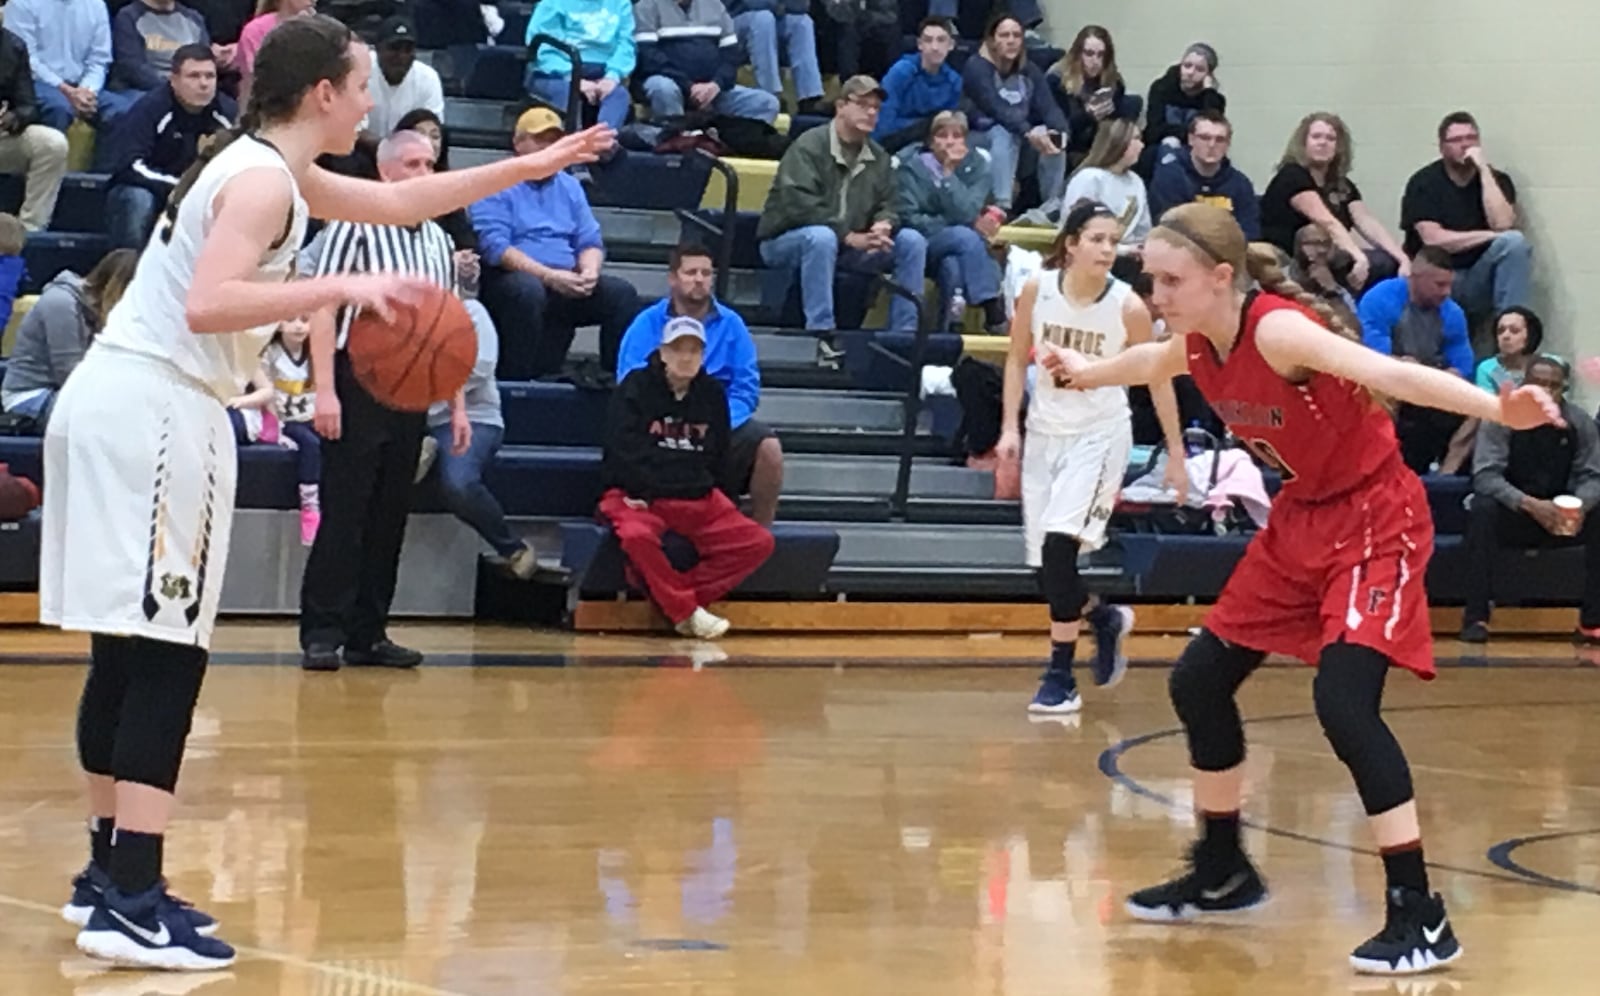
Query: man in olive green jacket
x,y
832,205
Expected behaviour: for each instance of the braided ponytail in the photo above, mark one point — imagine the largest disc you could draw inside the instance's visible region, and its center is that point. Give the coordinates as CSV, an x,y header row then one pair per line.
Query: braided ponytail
x,y
1265,268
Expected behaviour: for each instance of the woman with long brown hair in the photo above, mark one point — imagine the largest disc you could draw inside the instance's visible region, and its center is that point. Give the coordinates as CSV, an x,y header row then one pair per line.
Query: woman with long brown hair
x,y
1090,88
1107,175
1313,186
1012,113
1335,578
56,333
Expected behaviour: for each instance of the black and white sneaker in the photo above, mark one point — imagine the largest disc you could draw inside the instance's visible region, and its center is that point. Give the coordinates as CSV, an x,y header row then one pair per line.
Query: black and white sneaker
x,y
1192,895
1415,938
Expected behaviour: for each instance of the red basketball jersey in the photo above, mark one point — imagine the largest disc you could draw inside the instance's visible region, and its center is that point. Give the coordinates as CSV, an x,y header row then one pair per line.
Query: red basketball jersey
x,y
1326,436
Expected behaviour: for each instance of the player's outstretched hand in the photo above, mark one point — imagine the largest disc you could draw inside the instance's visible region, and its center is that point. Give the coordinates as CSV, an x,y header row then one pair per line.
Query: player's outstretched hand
x,y
1063,365
1528,407
571,150
380,294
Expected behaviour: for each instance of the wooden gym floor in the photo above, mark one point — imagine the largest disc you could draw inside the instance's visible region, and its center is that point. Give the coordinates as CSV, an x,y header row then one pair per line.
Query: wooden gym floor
x,y
591,815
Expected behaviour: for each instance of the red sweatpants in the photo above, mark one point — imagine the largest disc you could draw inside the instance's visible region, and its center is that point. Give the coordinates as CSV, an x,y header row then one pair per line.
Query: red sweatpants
x,y
731,547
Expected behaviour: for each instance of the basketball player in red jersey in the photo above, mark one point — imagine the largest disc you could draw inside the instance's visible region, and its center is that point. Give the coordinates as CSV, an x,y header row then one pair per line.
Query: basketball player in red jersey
x,y
1334,579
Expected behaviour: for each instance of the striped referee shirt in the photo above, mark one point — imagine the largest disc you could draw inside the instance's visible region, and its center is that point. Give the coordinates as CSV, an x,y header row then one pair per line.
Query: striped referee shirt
x,y
355,247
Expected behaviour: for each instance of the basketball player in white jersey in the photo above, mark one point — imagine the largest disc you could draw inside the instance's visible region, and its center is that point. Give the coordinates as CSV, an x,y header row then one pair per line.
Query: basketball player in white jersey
x,y
1078,441
140,464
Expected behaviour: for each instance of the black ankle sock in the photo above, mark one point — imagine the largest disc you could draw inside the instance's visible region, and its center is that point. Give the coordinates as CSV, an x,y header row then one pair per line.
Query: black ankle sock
x,y
1219,844
1061,660
100,831
1404,867
135,861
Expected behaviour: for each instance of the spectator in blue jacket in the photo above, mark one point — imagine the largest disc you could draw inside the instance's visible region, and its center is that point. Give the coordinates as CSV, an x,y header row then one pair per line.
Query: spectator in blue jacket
x,y
918,87
754,454
542,249
1014,115
1413,318
762,24
156,141
1202,172
602,32
69,45
689,57
145,35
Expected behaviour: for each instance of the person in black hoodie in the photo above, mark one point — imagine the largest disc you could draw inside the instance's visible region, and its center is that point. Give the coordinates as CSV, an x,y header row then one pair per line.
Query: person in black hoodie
x,y
666,468
157,140
1184,91
25,144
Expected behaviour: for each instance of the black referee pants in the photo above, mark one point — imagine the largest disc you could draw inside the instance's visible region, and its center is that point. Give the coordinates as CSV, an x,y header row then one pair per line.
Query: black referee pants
x,y
366,497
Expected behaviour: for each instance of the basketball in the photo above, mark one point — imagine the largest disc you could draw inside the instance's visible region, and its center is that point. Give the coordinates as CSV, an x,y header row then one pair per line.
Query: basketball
x,y
422,356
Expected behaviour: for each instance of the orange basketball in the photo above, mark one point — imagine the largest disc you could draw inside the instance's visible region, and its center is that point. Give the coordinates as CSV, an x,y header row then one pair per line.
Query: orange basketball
x,y
422,356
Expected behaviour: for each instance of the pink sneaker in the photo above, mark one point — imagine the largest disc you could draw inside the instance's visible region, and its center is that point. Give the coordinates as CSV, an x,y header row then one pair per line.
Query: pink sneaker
x,y
310,519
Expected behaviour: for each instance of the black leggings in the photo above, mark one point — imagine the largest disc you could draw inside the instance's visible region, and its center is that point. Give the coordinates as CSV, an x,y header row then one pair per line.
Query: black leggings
x,y
137,706
1348,692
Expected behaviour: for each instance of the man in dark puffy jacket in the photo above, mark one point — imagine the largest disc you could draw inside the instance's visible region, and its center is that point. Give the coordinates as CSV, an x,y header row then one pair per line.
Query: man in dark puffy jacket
x,y
688,58
26,146
158,139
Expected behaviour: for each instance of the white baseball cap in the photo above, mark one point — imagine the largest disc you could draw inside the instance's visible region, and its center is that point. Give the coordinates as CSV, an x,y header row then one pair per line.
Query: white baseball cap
x,y
681,326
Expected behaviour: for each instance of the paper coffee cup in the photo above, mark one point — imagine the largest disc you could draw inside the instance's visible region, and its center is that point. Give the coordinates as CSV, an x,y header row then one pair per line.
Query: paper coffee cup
x,y
1571,509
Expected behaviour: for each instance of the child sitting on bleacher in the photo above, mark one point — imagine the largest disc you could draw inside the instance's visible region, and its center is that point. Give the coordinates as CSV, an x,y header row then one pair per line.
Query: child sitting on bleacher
x,y
278,411
294,395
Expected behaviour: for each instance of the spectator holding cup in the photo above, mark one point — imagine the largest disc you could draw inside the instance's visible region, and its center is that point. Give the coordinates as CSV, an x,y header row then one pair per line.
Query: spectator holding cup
x,y
1535,488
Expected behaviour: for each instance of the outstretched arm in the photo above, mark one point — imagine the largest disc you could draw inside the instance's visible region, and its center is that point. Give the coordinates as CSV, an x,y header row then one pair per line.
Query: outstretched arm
x,y
1293,344
1146,363
227,293
409,202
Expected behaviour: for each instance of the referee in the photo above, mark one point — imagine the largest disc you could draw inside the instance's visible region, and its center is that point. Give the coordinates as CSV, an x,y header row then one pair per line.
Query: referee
x,y
369,451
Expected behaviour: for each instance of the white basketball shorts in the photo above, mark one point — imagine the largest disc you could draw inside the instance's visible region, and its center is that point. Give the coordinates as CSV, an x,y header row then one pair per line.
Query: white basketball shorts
x,y
1070,484
139,475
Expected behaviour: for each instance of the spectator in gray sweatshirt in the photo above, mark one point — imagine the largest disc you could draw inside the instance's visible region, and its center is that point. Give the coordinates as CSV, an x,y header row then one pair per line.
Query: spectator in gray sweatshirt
x,y
1014,115
56,333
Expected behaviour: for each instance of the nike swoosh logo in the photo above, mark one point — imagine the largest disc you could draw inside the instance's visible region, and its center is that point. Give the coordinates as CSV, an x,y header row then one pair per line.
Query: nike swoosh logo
x,y
156,938
1195,356
1434,933
1212,895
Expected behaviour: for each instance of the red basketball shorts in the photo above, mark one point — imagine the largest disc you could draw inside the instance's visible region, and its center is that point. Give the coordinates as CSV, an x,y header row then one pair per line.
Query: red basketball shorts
x,y
1348,569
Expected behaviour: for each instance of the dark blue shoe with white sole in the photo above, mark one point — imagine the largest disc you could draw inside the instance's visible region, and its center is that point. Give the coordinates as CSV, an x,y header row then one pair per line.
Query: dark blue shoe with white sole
x,y
91,883
150,930
1111,623
1057,695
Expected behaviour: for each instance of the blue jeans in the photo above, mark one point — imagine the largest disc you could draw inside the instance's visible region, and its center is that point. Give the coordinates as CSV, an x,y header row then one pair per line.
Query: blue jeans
x,y
760,31
816,252
1501,278
130,212
666,100
462,488
1010,155
57,112
958,259
555,90
308,450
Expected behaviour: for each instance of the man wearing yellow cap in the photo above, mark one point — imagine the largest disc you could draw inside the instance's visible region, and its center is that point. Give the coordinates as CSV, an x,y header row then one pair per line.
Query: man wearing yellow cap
x,y
542,252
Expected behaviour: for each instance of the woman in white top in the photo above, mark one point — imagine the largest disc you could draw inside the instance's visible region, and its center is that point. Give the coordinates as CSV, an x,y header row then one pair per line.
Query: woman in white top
x,y
1078,441
140,462
1107,176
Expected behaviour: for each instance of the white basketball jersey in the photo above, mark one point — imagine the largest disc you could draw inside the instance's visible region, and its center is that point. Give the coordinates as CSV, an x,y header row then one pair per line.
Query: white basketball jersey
x,y
1096,330
150,319
294,396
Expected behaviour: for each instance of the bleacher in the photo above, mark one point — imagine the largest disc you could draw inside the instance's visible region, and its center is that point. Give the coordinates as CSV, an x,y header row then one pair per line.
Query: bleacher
x,y
874,504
